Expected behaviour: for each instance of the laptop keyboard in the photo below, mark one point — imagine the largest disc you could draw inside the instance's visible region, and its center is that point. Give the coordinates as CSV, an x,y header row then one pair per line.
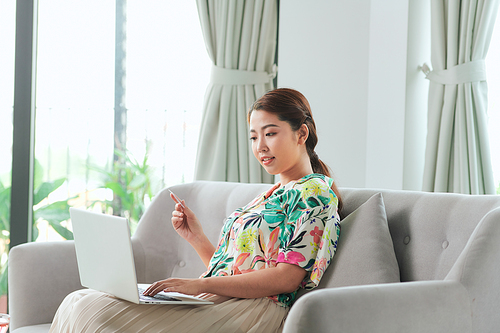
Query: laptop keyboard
x,y
156,297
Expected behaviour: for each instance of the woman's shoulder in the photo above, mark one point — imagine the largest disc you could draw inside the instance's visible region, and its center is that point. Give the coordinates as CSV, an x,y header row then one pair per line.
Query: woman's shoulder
x,y
314,188
314,182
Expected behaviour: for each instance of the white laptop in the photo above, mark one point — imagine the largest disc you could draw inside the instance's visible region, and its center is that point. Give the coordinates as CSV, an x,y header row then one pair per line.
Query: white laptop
x,y
106,261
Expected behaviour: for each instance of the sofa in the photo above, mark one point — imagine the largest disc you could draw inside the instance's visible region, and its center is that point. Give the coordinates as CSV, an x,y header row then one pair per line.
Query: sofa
x,y
406,262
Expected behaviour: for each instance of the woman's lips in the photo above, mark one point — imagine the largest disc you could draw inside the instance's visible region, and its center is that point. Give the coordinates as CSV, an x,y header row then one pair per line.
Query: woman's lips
x,y
267,160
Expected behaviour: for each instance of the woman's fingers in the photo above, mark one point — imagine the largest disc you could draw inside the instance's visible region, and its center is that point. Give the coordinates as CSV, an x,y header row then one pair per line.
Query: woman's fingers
x,y
177,200
177,218
154,289
158,286
178,214
180,205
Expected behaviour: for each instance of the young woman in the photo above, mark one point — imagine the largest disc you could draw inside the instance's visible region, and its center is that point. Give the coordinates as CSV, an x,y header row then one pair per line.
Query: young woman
x,y
281,241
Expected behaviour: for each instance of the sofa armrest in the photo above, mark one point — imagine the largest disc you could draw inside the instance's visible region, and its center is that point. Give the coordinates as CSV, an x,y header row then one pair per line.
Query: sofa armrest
x,y
430,306
477,269
40,276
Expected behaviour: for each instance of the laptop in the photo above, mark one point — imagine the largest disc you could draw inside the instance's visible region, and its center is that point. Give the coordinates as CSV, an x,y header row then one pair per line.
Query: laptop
x,y
106,261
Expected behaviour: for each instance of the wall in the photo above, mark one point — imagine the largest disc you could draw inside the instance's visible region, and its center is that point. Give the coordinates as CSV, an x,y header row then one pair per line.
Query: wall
x,y
419,51
350,59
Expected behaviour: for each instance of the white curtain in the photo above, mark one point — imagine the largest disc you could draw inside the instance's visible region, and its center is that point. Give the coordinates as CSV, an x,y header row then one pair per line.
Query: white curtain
x,y
240,37
458,155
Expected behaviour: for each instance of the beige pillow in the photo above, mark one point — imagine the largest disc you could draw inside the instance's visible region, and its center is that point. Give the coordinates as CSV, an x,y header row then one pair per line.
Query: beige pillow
x,y
365,252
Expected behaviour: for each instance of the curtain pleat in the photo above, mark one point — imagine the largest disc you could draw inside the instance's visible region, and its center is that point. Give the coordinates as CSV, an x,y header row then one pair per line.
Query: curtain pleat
x,y
458,154
241,36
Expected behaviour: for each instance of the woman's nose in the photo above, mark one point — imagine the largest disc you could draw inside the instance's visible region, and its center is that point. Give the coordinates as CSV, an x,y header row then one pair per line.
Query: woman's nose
x,y
261,145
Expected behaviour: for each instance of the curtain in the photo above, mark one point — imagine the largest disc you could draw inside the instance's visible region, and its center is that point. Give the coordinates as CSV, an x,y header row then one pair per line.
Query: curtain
x,y
457,155
240,37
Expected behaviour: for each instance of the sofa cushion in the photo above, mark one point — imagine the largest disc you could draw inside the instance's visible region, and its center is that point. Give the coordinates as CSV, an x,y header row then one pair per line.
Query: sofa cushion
x,y
365,253
42,328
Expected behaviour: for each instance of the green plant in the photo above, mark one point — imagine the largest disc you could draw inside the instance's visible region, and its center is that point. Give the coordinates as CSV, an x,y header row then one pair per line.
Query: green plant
x,y
4,210
130,182
53,213
4,235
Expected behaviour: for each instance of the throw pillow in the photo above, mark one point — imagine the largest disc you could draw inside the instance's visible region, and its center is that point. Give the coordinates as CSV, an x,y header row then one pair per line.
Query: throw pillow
x,y
365,252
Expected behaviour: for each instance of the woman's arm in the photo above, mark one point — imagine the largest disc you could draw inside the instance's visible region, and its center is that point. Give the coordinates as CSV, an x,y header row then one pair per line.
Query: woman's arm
x,y
204,248
189,227
284,278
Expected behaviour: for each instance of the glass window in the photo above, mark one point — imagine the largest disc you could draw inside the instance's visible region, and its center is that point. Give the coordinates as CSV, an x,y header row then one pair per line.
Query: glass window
x,y
7,47
74,109
168,71
162,70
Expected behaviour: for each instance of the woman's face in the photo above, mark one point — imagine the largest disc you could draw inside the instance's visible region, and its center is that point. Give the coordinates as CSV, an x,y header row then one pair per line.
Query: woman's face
x,y
278,148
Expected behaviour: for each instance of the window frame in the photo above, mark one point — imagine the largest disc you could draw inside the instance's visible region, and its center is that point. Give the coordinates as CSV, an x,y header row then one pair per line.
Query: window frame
x,y
23,154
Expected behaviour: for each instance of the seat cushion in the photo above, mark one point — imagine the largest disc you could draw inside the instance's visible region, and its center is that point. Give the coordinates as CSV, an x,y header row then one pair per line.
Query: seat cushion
x,y
42,328
365,253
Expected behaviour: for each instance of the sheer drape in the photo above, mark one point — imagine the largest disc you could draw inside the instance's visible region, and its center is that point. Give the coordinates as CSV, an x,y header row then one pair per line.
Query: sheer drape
x,y
240,37
458,154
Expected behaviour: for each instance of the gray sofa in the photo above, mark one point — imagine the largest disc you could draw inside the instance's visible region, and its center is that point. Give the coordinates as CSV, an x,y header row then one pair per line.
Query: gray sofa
x,y
447,248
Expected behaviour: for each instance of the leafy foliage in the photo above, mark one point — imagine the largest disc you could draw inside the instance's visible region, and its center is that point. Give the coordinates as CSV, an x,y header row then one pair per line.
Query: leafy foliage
x,y
4,209
130,181
4,236
53,213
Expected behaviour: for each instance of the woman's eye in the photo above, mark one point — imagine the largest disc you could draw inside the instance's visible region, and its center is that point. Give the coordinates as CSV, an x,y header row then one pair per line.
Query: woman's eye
x,y
270,134
253,138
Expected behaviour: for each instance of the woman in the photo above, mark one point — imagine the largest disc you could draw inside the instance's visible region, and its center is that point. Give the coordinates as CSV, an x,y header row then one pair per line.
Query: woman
x,y
283,240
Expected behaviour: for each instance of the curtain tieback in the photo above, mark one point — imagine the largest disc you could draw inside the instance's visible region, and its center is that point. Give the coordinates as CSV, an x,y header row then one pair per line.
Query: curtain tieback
x,y
228,76
472,71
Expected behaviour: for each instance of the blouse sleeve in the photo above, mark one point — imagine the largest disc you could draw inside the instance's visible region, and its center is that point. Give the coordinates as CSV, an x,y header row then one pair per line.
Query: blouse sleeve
x,y
312,230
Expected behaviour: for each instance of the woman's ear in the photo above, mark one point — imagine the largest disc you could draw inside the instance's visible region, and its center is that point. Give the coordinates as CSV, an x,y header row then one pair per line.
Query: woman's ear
x,y
303,133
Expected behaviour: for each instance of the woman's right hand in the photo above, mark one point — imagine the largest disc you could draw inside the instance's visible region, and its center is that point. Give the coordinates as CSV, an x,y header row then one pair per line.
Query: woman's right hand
x,y
189,227
185,222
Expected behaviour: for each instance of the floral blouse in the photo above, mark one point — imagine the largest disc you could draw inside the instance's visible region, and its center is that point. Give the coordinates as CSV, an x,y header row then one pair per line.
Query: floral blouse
x,y
296,224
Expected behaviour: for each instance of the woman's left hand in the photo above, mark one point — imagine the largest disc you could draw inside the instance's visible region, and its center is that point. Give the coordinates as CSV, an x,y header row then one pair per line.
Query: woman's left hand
x,y
185,286
285,278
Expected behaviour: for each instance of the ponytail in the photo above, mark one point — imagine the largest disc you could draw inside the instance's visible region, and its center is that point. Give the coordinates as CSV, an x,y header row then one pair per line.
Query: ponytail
x,y
319,166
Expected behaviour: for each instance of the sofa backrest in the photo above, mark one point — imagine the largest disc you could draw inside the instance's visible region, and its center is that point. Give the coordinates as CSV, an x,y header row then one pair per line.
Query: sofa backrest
x,y
429,230
163,253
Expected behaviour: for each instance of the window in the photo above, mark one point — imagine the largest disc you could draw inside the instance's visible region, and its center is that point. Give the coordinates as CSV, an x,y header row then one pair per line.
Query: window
x,y
165,69
74,108
168,71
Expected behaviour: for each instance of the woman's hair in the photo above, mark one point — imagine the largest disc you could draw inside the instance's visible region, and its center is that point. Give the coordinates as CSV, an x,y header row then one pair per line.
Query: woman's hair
x,y
291,106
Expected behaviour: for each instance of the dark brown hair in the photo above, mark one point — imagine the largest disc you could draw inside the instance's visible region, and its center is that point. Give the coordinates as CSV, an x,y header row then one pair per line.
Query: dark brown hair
x,y
291,106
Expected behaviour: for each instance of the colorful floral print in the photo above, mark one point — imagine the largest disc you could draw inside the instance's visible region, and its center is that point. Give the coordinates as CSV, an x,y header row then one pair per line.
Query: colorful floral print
x,y
297,224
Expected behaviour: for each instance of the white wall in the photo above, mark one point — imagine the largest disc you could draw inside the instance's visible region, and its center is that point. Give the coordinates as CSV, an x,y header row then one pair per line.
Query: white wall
x,y
349,58
419,51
